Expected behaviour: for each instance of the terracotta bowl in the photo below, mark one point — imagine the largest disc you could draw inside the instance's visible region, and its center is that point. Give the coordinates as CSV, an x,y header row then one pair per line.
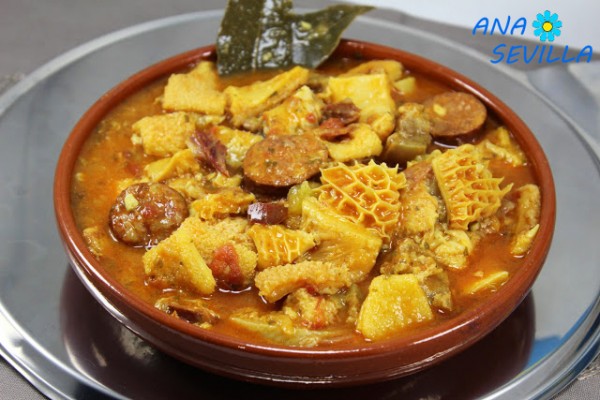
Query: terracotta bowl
x,y
297,367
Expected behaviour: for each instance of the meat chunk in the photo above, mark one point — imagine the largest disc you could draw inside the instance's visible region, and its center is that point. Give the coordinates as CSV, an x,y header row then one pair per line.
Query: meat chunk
x,y
194,311
225,267
392,68
283,161
412,136
468,187
361,141
528,218
321,277
450,247
195,91
435,283
346,111
418,210
319,311
209,151
267,213
224,202
176,263
332,128
372,95
181,163
186,259
455,113
408,257
237,143
277,245
96,239
247,102
164,135
341,242
299,113
394,303
146,213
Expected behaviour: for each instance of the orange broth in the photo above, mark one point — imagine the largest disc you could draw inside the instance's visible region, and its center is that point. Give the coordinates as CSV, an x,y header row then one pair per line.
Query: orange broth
x,y
109,156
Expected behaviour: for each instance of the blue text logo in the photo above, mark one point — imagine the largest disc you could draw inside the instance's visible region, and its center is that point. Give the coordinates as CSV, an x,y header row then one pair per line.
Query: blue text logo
x,y
547,26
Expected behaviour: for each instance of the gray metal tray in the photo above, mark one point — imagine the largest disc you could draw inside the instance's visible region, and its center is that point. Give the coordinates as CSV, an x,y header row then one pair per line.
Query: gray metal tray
x,y
53,332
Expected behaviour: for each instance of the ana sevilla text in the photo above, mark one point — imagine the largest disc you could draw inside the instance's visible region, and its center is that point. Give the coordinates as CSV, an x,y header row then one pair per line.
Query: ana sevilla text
x,y
539,53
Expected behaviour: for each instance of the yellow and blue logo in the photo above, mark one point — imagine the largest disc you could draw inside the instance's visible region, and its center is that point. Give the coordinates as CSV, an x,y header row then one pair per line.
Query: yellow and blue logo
x,y
547,26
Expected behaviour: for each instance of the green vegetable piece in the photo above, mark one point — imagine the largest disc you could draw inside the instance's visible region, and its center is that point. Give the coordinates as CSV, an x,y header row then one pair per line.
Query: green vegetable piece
x,y
412,136
266,34
296,196
400,148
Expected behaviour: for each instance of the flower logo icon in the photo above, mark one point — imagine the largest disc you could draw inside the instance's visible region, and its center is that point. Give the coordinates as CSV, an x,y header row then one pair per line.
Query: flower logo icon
x,y
547,26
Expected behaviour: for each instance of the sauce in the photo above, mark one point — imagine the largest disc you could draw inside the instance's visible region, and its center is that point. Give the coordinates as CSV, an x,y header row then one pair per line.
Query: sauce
x,y
109,158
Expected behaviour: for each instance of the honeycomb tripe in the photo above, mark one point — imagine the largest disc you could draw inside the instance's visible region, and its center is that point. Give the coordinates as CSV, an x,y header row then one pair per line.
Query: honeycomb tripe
x,y
365,194
277,245
468,188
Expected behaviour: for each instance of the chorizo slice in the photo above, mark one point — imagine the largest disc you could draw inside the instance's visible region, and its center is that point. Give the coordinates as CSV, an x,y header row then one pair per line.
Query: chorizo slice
x,y
281,161
267,213
345,111
331,129
455,114
209,151
225,267
146,213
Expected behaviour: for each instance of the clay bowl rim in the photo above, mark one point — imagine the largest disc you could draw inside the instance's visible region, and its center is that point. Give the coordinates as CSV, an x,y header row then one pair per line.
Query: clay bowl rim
x,y
457,333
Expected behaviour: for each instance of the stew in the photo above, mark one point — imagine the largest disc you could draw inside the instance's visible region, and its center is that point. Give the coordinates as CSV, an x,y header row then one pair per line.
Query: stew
x,y
352,203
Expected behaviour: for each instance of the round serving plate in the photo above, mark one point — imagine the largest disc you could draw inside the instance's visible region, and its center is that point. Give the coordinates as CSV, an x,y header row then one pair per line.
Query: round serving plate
x,y
58,337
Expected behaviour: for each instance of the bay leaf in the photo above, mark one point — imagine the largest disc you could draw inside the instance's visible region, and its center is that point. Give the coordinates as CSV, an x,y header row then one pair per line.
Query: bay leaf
x,y
267,34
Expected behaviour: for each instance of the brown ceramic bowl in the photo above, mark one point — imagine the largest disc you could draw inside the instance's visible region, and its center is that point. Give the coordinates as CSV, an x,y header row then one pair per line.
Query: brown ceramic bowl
x,y
299,367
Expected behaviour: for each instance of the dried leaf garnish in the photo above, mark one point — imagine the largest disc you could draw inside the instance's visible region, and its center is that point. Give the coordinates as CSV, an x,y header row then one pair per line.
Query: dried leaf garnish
x,y
266,34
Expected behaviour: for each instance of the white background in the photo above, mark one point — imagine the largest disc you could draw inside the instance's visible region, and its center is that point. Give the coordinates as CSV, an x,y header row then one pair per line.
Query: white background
x,y
580,18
